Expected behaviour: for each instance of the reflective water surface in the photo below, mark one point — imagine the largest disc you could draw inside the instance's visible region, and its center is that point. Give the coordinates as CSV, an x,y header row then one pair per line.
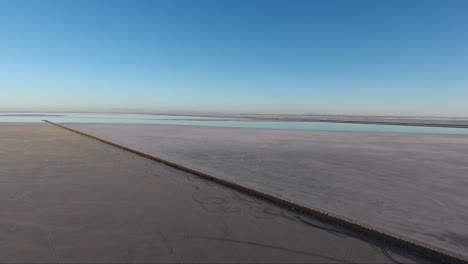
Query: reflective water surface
x,y
218,122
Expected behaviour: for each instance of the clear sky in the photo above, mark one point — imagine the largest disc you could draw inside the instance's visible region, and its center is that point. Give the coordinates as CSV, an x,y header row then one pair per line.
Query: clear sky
x,y
332,57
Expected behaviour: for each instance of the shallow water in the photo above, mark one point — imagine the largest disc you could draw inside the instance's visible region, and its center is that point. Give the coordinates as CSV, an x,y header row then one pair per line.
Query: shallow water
x,y
220,122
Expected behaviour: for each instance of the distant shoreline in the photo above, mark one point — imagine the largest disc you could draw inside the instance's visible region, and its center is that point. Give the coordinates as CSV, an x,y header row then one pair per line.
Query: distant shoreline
x,y
29,115
448,122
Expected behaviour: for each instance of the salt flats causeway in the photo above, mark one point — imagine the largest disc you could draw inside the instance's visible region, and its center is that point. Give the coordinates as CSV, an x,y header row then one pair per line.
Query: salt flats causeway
x,y
411,185
66,198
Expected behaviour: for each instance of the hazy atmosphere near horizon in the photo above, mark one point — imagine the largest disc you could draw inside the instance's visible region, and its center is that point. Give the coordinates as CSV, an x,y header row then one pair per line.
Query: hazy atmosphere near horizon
x,y
321,57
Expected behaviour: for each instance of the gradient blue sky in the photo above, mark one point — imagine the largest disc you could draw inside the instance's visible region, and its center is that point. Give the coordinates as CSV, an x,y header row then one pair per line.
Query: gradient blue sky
x,y
332,57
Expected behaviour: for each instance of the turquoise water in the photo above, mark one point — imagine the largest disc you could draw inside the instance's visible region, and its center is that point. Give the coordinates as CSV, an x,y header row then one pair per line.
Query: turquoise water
x,y
220,122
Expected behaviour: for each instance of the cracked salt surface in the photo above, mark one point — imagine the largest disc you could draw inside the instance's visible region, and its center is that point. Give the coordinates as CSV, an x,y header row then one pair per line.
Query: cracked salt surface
x,y
410,184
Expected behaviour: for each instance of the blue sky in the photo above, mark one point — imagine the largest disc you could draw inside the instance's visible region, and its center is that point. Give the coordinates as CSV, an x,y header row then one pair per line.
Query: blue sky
x,y
331,57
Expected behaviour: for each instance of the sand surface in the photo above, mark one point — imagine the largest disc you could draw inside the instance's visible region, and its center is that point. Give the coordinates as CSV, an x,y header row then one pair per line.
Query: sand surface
x,y
410,184
68,198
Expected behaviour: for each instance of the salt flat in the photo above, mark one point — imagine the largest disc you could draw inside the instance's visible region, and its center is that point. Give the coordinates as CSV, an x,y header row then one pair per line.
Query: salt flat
x,y
70,199
410,184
